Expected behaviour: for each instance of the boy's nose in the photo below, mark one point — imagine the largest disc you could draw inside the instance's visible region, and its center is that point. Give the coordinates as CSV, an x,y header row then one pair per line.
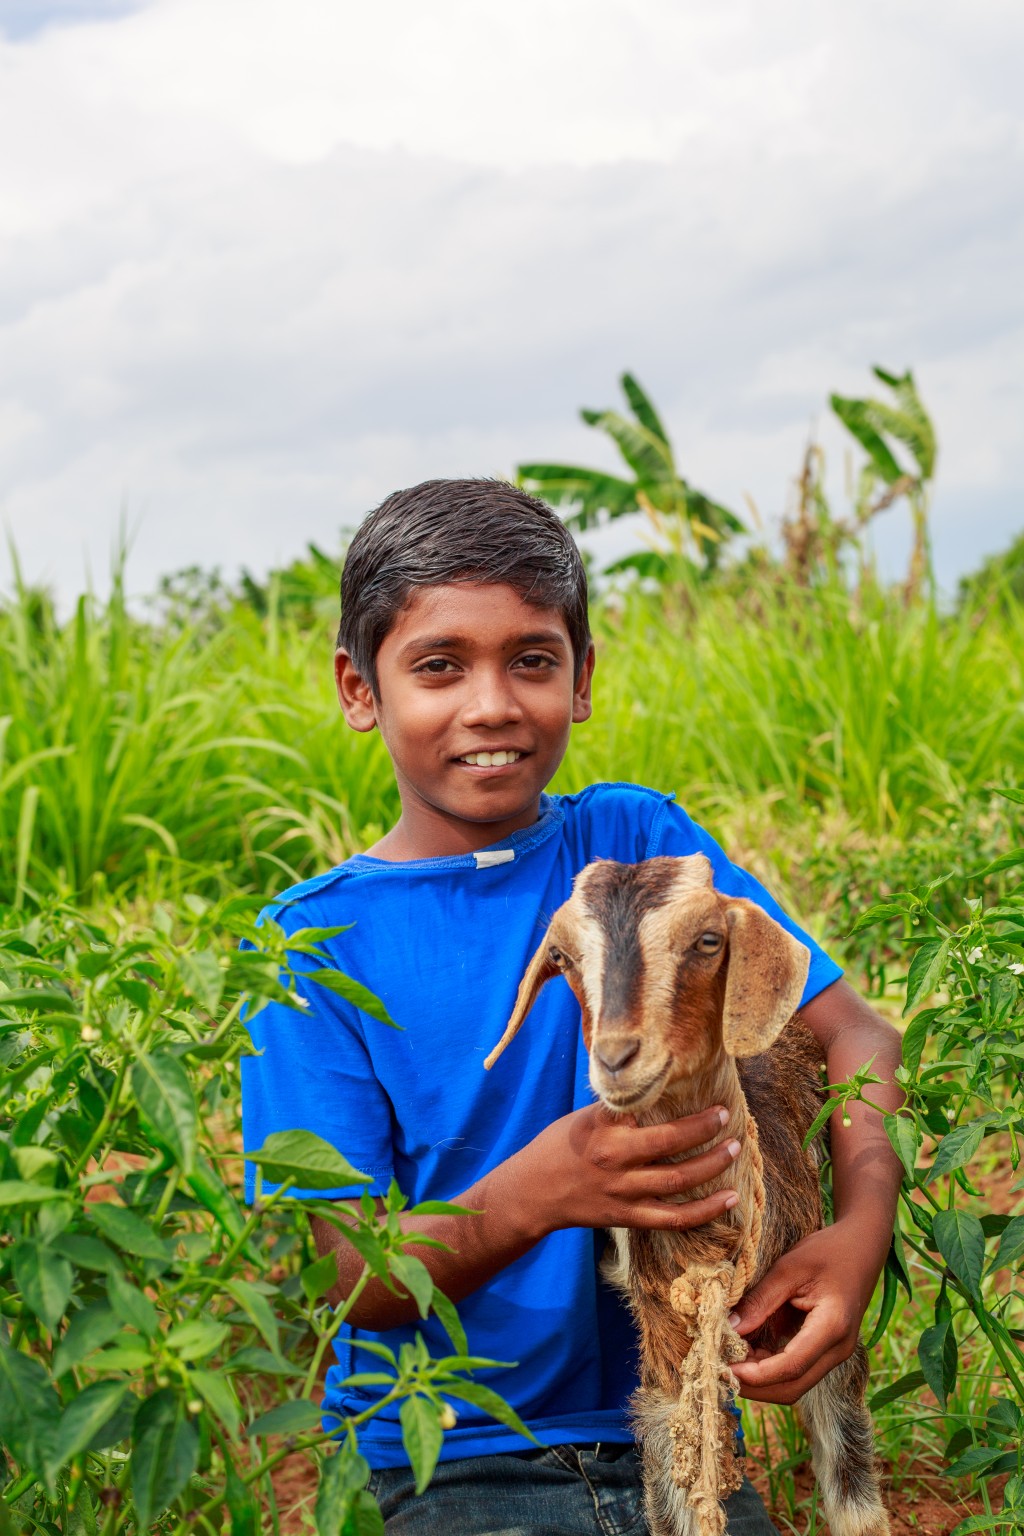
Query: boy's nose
x,y
492,703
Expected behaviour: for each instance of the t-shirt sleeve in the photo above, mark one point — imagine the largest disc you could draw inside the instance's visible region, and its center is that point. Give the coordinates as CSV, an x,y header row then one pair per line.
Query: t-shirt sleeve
x,y
675,833
314,1073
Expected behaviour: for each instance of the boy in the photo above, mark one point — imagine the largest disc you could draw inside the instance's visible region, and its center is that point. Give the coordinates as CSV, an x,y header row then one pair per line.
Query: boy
x,y
464,641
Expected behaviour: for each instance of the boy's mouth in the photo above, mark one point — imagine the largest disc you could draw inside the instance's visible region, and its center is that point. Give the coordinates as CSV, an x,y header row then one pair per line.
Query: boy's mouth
x,y
499,759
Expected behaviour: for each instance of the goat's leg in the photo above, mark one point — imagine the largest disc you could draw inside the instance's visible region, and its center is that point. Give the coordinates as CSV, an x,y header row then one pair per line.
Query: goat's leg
x,y
838,1426
669,1512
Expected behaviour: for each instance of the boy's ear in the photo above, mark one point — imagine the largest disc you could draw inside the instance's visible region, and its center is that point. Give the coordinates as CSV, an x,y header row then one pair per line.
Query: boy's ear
x,y
581,704
354,694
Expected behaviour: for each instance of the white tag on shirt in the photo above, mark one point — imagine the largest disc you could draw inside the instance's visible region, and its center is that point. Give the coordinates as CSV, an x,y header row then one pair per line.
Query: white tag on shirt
x,y
491,856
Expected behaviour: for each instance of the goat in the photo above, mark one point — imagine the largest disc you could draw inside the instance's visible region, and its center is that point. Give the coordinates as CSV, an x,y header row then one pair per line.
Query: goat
x,y
689,998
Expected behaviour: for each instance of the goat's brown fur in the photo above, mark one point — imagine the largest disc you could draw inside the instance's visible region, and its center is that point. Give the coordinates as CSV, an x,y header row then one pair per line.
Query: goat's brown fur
x,y
696,993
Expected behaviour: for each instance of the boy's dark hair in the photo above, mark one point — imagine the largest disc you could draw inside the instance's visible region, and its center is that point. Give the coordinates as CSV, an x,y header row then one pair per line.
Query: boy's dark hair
x,y
457,530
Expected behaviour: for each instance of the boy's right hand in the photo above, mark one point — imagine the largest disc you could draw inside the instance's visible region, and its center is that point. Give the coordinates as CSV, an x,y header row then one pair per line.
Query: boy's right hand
x,y
596,1169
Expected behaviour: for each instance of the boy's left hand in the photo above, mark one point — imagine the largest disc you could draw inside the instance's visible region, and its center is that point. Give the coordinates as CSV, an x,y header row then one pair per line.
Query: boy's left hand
x,y
829,1277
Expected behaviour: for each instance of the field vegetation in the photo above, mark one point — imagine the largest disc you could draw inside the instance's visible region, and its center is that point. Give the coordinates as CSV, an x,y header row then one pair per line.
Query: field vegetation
x,y
163,769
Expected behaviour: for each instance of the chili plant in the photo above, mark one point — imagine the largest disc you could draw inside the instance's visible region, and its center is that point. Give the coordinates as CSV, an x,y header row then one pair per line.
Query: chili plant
x,y
159,1343
963,1076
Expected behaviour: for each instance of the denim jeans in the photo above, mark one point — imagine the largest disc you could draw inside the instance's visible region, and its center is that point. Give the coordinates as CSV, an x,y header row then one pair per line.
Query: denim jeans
x,y
568,1490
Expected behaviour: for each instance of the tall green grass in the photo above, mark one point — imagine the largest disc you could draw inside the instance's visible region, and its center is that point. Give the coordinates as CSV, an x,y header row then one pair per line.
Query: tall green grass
x,y
130,750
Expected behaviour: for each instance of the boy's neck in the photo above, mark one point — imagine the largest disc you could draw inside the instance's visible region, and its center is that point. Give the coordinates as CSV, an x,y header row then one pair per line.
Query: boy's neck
x,y
424,832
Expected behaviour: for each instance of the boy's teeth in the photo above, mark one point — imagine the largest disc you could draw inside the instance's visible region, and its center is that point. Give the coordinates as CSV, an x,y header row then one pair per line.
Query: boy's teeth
x,y
491,759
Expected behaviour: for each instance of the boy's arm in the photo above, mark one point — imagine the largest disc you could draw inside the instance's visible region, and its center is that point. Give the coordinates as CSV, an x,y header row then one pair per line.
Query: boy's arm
x,y
587,1169
831,1275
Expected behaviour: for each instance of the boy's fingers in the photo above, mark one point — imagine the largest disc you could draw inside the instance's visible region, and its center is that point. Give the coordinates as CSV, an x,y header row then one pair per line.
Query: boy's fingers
x,y
655,1143
766,1298
665,1216
668,1179
813,1350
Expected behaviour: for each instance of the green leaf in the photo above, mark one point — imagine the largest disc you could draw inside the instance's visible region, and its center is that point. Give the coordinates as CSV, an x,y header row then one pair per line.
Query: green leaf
x,y
342,1477
167,1104
353,992
86,1252
85,1416
414,1275
1008,860
44,1279
926,970
482,1397
215,1390
29,1413
915,1037
937,1353
299,1157
25,1192
647,454
897,1389
886,1305
979,1458
824,1114
1011,1244
441,1208
213,1194
88,1330
878,914
204,977
256,1306
857,419
288,1419
131,1305
128,1232
905,1137
318,1278
262,1362
364,1518
591,492
449,1320
1003,1520
642,407
961,1241
165,1453
196,1338
956,1150
243,1506
422,1437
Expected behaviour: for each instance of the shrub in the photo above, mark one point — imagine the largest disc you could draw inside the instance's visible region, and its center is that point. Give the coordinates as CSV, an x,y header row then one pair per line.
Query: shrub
x,y
157,1340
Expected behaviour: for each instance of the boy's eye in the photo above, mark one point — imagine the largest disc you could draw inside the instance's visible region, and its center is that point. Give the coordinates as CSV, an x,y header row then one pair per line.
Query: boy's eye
x,y
435,665
535,661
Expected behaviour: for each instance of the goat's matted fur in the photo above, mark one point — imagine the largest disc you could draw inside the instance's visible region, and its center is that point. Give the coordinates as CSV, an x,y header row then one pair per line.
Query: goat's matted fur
x,y
689,998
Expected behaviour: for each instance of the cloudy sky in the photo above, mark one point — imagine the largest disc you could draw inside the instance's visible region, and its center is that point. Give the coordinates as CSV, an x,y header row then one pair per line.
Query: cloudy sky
x,y
261,261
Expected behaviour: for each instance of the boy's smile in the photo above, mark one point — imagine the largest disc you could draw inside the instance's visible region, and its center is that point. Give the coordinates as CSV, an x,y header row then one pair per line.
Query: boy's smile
x,y
476,700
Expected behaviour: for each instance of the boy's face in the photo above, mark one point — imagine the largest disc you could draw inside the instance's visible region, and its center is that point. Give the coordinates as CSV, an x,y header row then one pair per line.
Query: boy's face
x,y
469,669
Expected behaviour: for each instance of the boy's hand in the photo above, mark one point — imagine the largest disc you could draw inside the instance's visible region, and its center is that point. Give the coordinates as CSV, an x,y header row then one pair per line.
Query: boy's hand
x,y
829,1277
595,1169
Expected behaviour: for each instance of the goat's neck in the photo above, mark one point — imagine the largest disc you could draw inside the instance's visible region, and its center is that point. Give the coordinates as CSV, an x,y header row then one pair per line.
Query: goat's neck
x,y
717,1083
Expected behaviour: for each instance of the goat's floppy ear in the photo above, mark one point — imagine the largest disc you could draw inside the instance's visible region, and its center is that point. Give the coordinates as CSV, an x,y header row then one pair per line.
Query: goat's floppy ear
x,y
765,980
540,969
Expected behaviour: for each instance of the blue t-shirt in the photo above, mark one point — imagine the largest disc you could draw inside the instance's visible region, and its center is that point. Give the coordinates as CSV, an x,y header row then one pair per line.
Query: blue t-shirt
x,y
444,942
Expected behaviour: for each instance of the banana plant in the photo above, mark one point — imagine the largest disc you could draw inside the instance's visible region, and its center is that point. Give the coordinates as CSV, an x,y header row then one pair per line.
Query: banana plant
x,y
690,528
881,426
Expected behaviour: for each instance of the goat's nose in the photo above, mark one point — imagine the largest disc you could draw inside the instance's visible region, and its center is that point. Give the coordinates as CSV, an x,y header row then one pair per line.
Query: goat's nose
x,y
615,1053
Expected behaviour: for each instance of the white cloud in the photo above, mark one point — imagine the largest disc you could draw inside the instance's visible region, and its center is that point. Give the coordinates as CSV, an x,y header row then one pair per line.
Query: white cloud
x,y
260,262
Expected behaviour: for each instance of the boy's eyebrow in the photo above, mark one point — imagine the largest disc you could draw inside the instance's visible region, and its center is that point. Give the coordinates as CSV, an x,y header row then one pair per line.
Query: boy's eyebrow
x,y
452,642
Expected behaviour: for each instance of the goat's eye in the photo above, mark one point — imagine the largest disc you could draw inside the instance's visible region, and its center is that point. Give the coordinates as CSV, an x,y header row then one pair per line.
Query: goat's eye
x,y
709,943
562,961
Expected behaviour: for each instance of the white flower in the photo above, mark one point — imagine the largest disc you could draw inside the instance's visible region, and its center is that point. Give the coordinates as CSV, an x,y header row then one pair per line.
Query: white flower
x,y
1016,967
974,956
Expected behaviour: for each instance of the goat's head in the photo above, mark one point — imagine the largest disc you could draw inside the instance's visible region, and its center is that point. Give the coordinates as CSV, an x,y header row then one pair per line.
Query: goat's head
x,y
667,972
